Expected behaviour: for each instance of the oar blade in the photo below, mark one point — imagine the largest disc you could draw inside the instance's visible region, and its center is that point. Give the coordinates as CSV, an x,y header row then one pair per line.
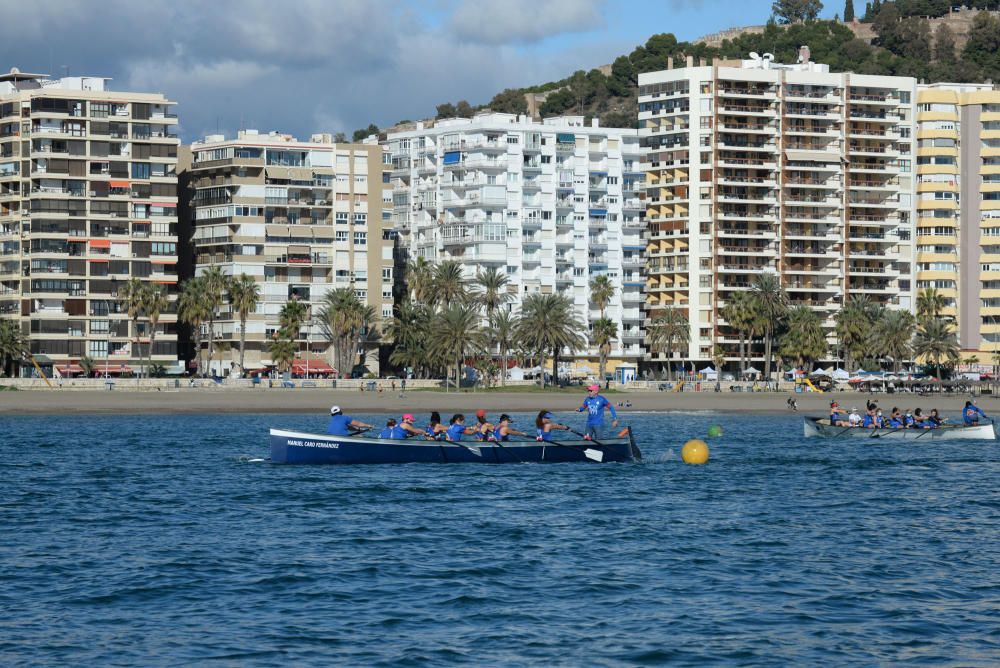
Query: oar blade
x,y
596,455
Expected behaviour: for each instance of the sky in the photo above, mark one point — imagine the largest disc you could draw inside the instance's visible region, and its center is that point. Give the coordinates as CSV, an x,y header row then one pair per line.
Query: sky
x,y
305,66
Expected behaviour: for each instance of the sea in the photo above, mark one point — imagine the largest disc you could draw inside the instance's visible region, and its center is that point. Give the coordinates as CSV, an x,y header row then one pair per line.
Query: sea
x,y
170,540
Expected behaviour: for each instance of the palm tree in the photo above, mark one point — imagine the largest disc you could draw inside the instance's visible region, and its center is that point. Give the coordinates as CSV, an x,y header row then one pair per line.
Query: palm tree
x,y
603,333
503,326
88,365
291,317
342,318
492,293
214,283
456,334
193,309
770,304
935,340
154,302
803,338
12,346
602,290
244,295
547,323
420,279
283,352
930,303
853,326
408,331
892,337
739,314
131,297
449,284
668,332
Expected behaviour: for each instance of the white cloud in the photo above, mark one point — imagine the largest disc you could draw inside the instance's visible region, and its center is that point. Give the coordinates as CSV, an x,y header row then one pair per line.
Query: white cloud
x,y
509,21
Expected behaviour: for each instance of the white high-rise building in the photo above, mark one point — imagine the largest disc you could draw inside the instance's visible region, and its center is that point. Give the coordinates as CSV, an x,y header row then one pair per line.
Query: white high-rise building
x,y
754,166
552,204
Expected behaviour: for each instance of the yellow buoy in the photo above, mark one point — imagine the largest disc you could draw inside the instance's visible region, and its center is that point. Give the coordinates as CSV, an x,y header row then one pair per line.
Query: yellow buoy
x,y
695,451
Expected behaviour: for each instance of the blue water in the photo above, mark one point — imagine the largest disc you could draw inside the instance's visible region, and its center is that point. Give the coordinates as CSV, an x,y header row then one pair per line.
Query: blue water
x,y
149,541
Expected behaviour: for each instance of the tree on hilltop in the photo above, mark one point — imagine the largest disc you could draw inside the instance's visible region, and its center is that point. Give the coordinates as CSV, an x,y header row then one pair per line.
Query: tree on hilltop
x,y
848,11
796,11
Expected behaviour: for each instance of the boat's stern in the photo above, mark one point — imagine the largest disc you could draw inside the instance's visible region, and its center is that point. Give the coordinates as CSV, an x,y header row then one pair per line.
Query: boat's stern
x,y
809,427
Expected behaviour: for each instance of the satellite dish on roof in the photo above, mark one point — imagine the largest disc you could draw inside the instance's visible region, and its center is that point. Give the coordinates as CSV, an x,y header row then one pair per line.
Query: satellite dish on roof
x,y
754,55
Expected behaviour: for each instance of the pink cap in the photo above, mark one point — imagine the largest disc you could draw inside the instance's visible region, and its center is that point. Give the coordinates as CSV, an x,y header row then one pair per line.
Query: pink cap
x,y
408,417
593,388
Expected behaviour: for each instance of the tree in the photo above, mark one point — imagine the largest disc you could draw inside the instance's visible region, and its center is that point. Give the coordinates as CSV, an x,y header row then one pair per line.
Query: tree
x,y
420,280
848,11
464,110
214,291
803,338
363,133
602,290
340,138
944,44
669,331
456,334
770,303
449,284
930,303
738,314
282,352
292,317
983,45
852,326
88,365
193,310
509,101
446,110
13,346
154,302
892,337
408,332
492,290
130,296
796,11
343,319
244,296
935,340
503,326
603,333
547,323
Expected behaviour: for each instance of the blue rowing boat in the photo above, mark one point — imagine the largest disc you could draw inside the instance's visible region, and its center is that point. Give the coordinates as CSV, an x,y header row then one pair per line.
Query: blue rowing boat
x,y
294,447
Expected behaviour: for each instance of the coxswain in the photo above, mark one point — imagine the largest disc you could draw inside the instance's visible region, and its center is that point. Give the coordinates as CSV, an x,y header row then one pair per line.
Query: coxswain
x,y
971,414
595,405
342,425
544,426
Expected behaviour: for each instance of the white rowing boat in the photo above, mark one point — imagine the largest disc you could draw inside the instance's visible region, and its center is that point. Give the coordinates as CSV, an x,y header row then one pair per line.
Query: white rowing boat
x,y
821,427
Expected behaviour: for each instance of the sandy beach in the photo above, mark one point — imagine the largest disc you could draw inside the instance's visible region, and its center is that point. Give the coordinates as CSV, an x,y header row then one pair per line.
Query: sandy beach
x,y
217,400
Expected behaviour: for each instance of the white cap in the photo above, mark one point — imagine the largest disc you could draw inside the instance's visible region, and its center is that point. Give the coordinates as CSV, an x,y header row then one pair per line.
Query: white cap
x,y
334,410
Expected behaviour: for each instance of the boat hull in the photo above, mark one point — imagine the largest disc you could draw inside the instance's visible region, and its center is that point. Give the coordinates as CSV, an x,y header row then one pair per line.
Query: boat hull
x,y
293,447
818,427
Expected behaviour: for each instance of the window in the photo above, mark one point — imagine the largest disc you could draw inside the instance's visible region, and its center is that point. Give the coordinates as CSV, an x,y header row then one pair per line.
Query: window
x,y
387,274
140,170
340,235
360,218
342,218
360,238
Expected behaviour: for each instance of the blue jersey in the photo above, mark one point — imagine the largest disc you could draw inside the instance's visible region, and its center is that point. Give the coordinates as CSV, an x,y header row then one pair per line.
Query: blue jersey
x,y
398,433
972,413
595,410
386,432
431,434
543,435
340,425
497,436
456,431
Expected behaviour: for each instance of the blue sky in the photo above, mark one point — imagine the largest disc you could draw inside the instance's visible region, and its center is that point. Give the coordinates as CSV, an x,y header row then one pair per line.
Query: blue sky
x,y
304,66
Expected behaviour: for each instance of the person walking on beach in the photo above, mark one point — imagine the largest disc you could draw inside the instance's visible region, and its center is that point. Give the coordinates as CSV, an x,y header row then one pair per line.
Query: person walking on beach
x,y
793,404
595,405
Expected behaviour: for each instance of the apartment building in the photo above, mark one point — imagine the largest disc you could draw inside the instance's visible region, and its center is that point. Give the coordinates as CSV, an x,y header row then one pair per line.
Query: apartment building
x,y
958,208
755,166
302,218
88,200
551,204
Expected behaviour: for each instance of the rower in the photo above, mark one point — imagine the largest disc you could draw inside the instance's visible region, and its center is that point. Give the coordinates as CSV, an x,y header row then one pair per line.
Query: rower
x,y
483,427
895,419
934,420
341,425
503,431
854,419
386,432
919,421
971,414
435,430
457,429
835,416
544,426
405,428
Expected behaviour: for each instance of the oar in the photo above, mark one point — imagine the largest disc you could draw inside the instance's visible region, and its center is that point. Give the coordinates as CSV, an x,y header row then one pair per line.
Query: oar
x,y
586,438
361,431
501,446
590,453
596,455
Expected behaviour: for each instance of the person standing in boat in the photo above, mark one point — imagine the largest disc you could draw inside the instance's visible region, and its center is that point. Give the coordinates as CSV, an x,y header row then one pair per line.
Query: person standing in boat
x,y
544,426
457,429
971,414
504,431
344,425
595,405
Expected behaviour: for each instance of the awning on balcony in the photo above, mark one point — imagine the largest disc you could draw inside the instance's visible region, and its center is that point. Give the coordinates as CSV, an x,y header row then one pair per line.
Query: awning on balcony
x,y
815,156
100,243
289,173
298,250
119,184
313,366
452,157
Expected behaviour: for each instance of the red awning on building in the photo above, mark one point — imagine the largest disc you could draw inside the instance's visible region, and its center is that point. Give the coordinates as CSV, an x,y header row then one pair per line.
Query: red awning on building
x,y
112,369
119,184
100,243
314,366
69,369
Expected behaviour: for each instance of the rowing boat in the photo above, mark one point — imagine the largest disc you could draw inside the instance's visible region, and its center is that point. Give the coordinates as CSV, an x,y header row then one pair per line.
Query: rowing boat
x,y
293,447
821,427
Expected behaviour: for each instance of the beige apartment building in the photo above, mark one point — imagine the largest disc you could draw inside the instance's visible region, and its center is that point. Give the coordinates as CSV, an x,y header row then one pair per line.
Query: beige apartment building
x,y
88,200
958,209
302,218
759,167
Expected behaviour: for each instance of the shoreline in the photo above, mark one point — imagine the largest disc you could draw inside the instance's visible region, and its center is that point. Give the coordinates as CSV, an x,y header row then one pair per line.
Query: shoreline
x,y
318,401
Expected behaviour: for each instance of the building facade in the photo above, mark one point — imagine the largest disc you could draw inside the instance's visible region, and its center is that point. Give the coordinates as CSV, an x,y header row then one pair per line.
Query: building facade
x,y
88,201
551,204
958,209
300,217
759,167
